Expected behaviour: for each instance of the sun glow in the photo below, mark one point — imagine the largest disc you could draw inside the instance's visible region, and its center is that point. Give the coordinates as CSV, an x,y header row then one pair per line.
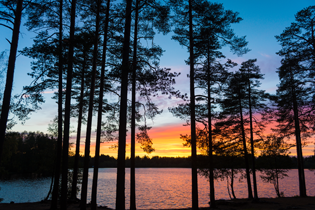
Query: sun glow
x,y
167,143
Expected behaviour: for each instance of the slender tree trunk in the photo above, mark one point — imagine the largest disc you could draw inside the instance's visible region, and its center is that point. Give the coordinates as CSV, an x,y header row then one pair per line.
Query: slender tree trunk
x,y
133,116
10,74
252,142
90,114
64,187
192,115
232,183
211,179
99,119
249,187
277,184
77,145
54,201
51,186
277,179
120,189
302,186
228,187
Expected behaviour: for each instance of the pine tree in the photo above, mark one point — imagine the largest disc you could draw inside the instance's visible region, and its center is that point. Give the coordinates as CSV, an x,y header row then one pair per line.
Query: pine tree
x,y
100,112
194,33
232,116
120,188
294,104
90,112
298,52
256,100
11,66
63,203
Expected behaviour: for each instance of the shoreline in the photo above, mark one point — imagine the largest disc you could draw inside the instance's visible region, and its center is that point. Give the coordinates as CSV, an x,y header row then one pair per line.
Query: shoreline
x,y
283,203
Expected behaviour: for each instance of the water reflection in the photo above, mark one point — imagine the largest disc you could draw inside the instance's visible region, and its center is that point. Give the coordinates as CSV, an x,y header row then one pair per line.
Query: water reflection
x,y
156,188
171,187
24,190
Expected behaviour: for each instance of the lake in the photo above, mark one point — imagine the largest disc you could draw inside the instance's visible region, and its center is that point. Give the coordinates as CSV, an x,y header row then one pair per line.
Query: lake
x,y
156,188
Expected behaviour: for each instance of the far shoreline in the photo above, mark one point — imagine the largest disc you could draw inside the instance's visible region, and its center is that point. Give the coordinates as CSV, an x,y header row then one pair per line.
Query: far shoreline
x,y
283,203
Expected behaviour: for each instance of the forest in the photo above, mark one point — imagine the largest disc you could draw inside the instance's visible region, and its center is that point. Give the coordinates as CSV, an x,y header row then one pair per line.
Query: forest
x,y
31,155
89,51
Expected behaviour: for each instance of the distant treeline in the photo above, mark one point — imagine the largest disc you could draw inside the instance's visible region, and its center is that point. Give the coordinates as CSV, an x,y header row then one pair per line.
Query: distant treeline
x,y
32,155
287,162
27,155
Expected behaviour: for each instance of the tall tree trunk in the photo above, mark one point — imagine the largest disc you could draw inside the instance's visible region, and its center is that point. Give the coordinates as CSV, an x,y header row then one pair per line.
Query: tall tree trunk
x,y
302,186
252,142
249,186
54,201
232,183
120,189
77,145
90,114
276,184
64,182
10,74
99,119
133,116
211,179
192,115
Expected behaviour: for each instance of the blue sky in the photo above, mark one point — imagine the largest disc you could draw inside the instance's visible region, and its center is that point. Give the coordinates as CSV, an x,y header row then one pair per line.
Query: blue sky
x,y
262,20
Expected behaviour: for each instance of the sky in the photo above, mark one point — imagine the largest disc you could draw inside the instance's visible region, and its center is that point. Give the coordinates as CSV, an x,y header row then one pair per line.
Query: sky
x,y
262,20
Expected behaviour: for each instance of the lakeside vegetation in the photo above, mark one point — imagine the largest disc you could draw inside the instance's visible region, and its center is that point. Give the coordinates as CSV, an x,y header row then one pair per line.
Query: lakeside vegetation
x,y
90,50
31,155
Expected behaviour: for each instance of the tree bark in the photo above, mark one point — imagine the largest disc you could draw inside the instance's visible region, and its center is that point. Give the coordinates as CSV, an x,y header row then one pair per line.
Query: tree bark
x,y
252,142
10,74
54,201
249,186
133,116
211,178
77,145
64,187
90,114
302,186
193,115
120,189
232,183
99,119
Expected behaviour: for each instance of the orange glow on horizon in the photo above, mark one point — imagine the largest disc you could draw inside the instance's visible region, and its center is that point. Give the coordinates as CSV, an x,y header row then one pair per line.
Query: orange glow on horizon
x,y
166,142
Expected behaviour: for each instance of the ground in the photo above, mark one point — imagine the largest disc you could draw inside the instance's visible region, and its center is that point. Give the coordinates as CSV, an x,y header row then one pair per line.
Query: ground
x,y
307,203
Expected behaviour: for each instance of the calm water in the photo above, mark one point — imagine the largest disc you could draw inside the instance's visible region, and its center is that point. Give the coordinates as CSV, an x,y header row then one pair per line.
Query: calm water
x,y
156,188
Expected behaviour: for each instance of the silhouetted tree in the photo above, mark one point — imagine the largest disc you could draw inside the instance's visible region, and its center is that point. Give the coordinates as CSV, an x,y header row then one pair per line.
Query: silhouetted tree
x,y
210,77
97,6
100,111
233,117
28,153
120,188
64,190
133,113
149,79
217,33
8,16
297,44
297,40
294,105
272,150
256,99
83,56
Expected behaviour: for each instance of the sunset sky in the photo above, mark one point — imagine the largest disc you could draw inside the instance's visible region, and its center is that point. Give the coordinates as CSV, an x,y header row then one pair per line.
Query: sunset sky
x,y
262,20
